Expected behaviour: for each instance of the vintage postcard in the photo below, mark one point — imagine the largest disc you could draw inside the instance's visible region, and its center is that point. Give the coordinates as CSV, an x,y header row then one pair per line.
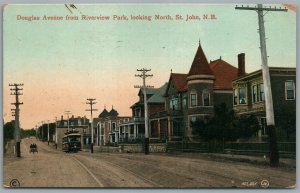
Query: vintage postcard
x,y
149,95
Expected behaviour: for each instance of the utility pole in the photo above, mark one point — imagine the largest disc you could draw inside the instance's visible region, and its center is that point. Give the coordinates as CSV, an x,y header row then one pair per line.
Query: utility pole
x,y
15,91
42,130
274,154
91,102
68,113
56,132
48,132
143,75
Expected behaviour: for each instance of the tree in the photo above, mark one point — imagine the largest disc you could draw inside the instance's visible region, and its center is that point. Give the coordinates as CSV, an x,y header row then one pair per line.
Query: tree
x,y
225,125
27,133
247,126
220,127
9,130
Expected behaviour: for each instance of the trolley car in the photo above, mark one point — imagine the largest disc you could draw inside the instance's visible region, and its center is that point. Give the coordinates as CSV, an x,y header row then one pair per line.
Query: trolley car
x,y
71,142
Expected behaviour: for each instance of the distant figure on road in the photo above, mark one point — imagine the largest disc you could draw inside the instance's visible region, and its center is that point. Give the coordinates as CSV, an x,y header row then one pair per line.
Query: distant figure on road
x,y
33,148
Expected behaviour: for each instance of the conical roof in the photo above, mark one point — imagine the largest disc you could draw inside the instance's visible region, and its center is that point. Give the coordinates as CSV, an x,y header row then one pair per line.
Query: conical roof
x,y
103,114
200,65
113,112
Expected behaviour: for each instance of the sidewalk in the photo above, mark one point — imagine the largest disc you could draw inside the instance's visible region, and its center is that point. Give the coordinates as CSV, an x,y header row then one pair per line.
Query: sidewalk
x,y
283,162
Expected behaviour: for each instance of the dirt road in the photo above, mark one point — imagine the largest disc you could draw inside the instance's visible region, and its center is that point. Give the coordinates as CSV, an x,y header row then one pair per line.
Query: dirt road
x,y
53,168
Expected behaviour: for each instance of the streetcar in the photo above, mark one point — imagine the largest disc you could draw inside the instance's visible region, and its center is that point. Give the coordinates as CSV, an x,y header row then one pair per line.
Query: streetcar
x,y
71,142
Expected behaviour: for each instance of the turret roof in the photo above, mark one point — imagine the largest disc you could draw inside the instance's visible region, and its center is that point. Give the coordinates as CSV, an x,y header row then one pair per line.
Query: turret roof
x,y
200,64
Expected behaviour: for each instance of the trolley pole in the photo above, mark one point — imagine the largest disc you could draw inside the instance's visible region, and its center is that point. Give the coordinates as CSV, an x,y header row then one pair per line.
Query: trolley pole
x,y
15,91
143,75
274,154
91,102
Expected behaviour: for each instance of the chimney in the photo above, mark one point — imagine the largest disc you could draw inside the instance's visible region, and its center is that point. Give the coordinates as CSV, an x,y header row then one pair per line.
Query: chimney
x,y
62,117
241,64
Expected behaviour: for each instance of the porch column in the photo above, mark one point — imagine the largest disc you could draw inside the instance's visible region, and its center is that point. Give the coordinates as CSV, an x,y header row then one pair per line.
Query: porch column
x,y
134,131
149,131
116,137
169,128
119,136
158,128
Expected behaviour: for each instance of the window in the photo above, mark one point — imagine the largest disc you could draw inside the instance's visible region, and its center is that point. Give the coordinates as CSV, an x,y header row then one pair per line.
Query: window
x,y
263,124
174,103
193,99
289,90
261,92
184,102
206,98
137,112
193,119
242,95
254,93
113,126
235,96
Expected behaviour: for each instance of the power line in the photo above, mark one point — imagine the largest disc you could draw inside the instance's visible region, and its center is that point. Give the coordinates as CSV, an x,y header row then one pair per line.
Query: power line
x,y
143,75
15,91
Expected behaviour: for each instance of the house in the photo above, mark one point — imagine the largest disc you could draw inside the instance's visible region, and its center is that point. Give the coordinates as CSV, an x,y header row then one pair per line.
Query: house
x,y
107,127
133,129
80,124
249,99
192,96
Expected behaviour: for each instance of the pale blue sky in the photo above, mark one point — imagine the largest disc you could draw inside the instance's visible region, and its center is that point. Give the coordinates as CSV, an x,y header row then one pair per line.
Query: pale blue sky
x,y
59,60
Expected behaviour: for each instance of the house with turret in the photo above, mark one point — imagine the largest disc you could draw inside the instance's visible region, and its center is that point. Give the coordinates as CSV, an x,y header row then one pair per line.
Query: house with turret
x,y
192,96
107,127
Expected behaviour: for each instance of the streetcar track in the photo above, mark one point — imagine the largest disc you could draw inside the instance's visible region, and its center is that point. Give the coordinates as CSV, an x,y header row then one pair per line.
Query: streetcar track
x,y
129,171
88,171
185,176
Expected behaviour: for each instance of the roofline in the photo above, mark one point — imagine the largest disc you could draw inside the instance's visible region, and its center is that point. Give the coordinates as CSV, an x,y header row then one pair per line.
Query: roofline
x,y
223,61
260,71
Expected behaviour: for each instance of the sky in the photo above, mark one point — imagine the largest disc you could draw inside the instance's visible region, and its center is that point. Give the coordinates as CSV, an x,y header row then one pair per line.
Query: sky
x,y
63,62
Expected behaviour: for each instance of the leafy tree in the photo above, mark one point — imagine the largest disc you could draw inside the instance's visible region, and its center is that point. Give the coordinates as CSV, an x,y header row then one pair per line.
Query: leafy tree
x,y
43,131
27,133
247,126
225,125
8,130
286,123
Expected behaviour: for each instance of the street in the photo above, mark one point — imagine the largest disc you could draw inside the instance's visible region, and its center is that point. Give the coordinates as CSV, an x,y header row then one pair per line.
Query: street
x,y
54,168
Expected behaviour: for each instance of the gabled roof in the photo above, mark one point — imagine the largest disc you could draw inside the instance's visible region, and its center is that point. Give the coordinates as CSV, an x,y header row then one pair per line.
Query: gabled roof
x,y
224,74
200,65
149,91
179,80
158,96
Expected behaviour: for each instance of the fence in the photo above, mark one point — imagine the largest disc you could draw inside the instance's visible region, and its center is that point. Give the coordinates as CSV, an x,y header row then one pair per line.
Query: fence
x,y
286,149
182,146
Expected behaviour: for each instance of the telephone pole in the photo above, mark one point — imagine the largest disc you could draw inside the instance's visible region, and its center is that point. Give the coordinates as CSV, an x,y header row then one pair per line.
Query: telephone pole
x,y
48,136
68,113
15,91
274,154
91,102
56,132
143,75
